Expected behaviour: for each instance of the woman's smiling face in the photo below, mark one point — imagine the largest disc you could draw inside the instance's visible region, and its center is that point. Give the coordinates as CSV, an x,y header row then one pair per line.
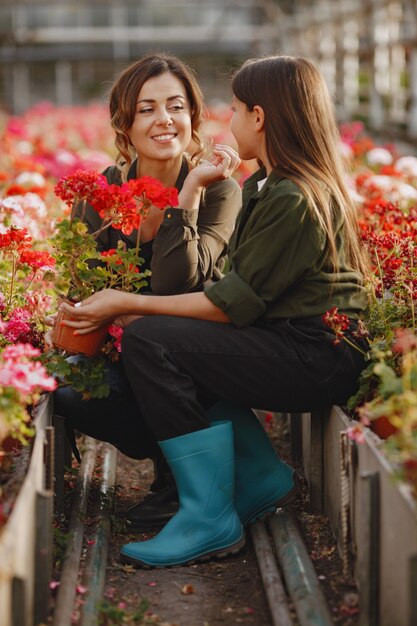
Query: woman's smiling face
x,y
161,130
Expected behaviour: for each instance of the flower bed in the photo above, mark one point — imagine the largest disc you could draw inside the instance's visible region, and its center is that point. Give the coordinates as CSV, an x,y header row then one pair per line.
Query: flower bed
x,y
18,536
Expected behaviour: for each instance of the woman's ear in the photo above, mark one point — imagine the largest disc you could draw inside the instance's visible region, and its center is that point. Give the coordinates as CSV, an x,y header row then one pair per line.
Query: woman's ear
x,y
259,117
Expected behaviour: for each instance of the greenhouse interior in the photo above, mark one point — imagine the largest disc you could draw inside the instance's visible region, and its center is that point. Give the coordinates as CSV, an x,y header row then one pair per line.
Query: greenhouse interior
x,y
149,475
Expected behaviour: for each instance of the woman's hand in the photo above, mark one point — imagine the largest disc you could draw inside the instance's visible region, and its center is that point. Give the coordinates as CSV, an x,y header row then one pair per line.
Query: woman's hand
x,y
223,164
49,321
98,310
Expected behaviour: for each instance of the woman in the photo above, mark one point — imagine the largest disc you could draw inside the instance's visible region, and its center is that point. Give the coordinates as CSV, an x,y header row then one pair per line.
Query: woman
x,y
256,337
156,110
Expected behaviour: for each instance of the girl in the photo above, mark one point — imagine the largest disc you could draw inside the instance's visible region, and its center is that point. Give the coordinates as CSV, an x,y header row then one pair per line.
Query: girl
x,y
156,110
256,337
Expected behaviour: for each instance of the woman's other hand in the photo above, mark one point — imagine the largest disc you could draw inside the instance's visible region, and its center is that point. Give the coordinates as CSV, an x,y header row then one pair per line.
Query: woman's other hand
x,y
98,310
49,321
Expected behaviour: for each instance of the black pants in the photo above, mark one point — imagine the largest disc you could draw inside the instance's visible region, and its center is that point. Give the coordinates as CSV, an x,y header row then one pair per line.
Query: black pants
x,y
113,419
178,367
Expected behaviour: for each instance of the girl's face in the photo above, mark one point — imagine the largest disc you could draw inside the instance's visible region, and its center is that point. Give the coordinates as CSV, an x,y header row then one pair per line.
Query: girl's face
x,y
243,131
161,130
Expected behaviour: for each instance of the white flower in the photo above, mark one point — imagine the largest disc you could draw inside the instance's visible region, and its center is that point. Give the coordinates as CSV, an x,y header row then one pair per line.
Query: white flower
x,y
66,158
379,156
346,150
407,165
382,182
394,189
32,179
25,147
27,211
354,195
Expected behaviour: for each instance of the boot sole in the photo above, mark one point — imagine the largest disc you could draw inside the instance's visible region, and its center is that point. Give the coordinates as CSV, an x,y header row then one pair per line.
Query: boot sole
x,y
218,554
131,527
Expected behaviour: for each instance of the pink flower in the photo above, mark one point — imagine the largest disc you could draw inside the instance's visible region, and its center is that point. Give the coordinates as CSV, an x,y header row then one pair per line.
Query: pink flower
x,y
26,378
405,340
20,351
38,302
117,332
24,375
54,584
356,433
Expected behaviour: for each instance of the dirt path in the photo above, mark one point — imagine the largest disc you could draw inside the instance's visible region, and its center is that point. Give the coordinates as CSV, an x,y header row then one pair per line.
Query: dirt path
x,y
208,594
222,592
219,593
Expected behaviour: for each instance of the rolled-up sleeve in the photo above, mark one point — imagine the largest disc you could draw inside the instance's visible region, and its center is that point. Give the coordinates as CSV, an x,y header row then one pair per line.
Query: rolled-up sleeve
x,y
279,243
237,299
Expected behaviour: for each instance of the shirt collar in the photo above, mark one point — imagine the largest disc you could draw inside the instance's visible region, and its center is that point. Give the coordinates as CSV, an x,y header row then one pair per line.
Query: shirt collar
x,y
250,186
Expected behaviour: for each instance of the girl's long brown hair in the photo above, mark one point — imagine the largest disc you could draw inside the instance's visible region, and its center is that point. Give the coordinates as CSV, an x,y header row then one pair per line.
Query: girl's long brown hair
x,y
124,96
302,140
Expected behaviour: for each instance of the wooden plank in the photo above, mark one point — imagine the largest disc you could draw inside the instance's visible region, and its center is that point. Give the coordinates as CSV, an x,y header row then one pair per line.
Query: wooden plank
x,y
271,578
61,462
299,573
67,590
43,556
413,590
49,457
316,460
296,437
370,555
94,575
18,590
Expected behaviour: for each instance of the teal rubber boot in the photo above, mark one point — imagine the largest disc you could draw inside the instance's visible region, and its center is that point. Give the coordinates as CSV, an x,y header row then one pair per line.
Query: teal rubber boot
x,y
206,524
263,482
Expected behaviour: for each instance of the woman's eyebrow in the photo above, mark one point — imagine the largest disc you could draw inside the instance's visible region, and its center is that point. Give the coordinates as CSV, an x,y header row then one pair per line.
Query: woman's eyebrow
x,y
170,98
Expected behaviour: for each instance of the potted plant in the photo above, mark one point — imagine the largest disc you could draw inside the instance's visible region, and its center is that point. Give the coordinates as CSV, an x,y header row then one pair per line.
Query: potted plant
x,y
82,270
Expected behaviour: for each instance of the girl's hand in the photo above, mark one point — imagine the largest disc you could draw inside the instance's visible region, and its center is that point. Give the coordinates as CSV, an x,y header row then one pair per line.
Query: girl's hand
x,y
223,164
98,310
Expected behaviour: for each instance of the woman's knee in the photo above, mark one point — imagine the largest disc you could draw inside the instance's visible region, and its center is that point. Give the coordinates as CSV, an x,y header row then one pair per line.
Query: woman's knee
x,y
67,401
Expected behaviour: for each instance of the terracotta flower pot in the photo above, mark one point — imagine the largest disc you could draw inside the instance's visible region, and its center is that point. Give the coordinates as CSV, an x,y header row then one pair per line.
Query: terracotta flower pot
x,y
382,427
63,337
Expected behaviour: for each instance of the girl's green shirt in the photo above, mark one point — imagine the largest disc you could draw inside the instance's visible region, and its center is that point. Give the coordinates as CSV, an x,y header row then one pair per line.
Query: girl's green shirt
x,y
279,260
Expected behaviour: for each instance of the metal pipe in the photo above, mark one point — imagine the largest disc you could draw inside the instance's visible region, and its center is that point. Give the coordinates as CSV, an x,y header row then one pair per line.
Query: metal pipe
x,y
66,593
271,578
299,573
95,567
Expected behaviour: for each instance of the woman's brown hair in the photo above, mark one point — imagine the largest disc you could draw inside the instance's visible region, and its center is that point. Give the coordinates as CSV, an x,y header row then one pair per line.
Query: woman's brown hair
x,y
302,140
124,95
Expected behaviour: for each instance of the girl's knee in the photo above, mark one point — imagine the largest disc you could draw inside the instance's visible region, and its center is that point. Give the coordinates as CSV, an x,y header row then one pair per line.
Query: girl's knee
x,y
137,337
